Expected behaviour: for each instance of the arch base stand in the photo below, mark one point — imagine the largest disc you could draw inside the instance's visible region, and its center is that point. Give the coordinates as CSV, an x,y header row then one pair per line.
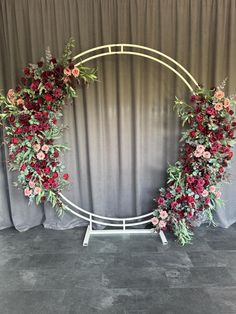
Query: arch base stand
x,y
91,231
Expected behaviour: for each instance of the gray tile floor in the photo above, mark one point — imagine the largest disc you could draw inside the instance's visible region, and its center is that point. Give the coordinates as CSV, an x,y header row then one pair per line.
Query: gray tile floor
x,y
45,271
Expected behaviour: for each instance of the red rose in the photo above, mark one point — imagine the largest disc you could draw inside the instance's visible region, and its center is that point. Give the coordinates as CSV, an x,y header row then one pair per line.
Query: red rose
x,y
15,141
19,130
54,120
40,64
57,93
231,112
190,199
47,170
23,167
46,185
48,97
189,215
221,170
199,117
192,98
34,85
55,175
48,86
27,71
178,189
200,127
51,180
55,184
49,107
29,137
11,119
66,176
192,133
56,154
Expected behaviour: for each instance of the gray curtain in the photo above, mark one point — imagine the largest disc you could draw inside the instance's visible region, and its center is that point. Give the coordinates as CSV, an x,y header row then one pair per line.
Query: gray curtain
x,y
123,129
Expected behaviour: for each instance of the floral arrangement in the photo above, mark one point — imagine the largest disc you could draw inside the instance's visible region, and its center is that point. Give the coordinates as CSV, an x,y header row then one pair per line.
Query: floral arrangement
x,y
30,116
193,181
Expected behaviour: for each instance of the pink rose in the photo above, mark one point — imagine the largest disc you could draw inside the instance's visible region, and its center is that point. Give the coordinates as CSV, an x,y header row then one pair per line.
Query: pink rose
x,y
218,194
226,103
40,155
36,147
200,148
163,214
162,224
206,155
219,94
27,192
218,106
37,190
45,148
20,101
31,184
212,189
75,72
11,95
197,154
155,221
205,193
67,71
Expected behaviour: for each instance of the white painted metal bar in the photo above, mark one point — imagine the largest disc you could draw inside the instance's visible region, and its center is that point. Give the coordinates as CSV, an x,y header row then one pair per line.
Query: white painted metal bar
x,y
103,217
163,237
141,55
138,47
87,236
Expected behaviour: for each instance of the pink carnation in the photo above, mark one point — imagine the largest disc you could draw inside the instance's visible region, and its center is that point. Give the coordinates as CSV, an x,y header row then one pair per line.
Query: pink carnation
x,y
163,214
36,147
218,106
27,192
226,103
205,193
45,148
219,94
218,194
200,148
37,190
162,224
31,184
197,154
155,221
75,72
212,189
206,155
40,156
67,71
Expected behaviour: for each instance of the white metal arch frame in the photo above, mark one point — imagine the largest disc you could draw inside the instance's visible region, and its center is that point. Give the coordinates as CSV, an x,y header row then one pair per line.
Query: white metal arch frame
x,y
123,224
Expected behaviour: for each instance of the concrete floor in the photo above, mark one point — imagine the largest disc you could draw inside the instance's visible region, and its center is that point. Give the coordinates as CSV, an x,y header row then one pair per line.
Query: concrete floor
x,y
45,271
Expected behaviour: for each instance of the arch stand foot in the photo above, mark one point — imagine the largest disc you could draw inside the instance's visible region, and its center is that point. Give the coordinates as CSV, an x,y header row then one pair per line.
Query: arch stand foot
x,y
90,231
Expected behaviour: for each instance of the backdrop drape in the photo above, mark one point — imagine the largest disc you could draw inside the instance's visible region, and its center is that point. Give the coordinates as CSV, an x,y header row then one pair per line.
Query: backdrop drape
x,y
123,130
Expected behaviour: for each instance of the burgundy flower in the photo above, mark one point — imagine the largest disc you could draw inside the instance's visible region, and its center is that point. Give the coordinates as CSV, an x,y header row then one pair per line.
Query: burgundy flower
x,y
192,133
199,117
11,119
14,141
48,97
55,175
48,86
47,170
200,127
26,71
57,93
66,177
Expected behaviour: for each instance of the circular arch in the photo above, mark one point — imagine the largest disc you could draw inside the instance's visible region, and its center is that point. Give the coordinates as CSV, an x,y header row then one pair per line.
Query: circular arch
x,y
121,49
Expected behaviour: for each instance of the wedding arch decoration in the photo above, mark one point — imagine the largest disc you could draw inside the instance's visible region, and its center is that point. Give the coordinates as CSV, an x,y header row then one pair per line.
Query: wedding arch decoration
x,y
30,116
